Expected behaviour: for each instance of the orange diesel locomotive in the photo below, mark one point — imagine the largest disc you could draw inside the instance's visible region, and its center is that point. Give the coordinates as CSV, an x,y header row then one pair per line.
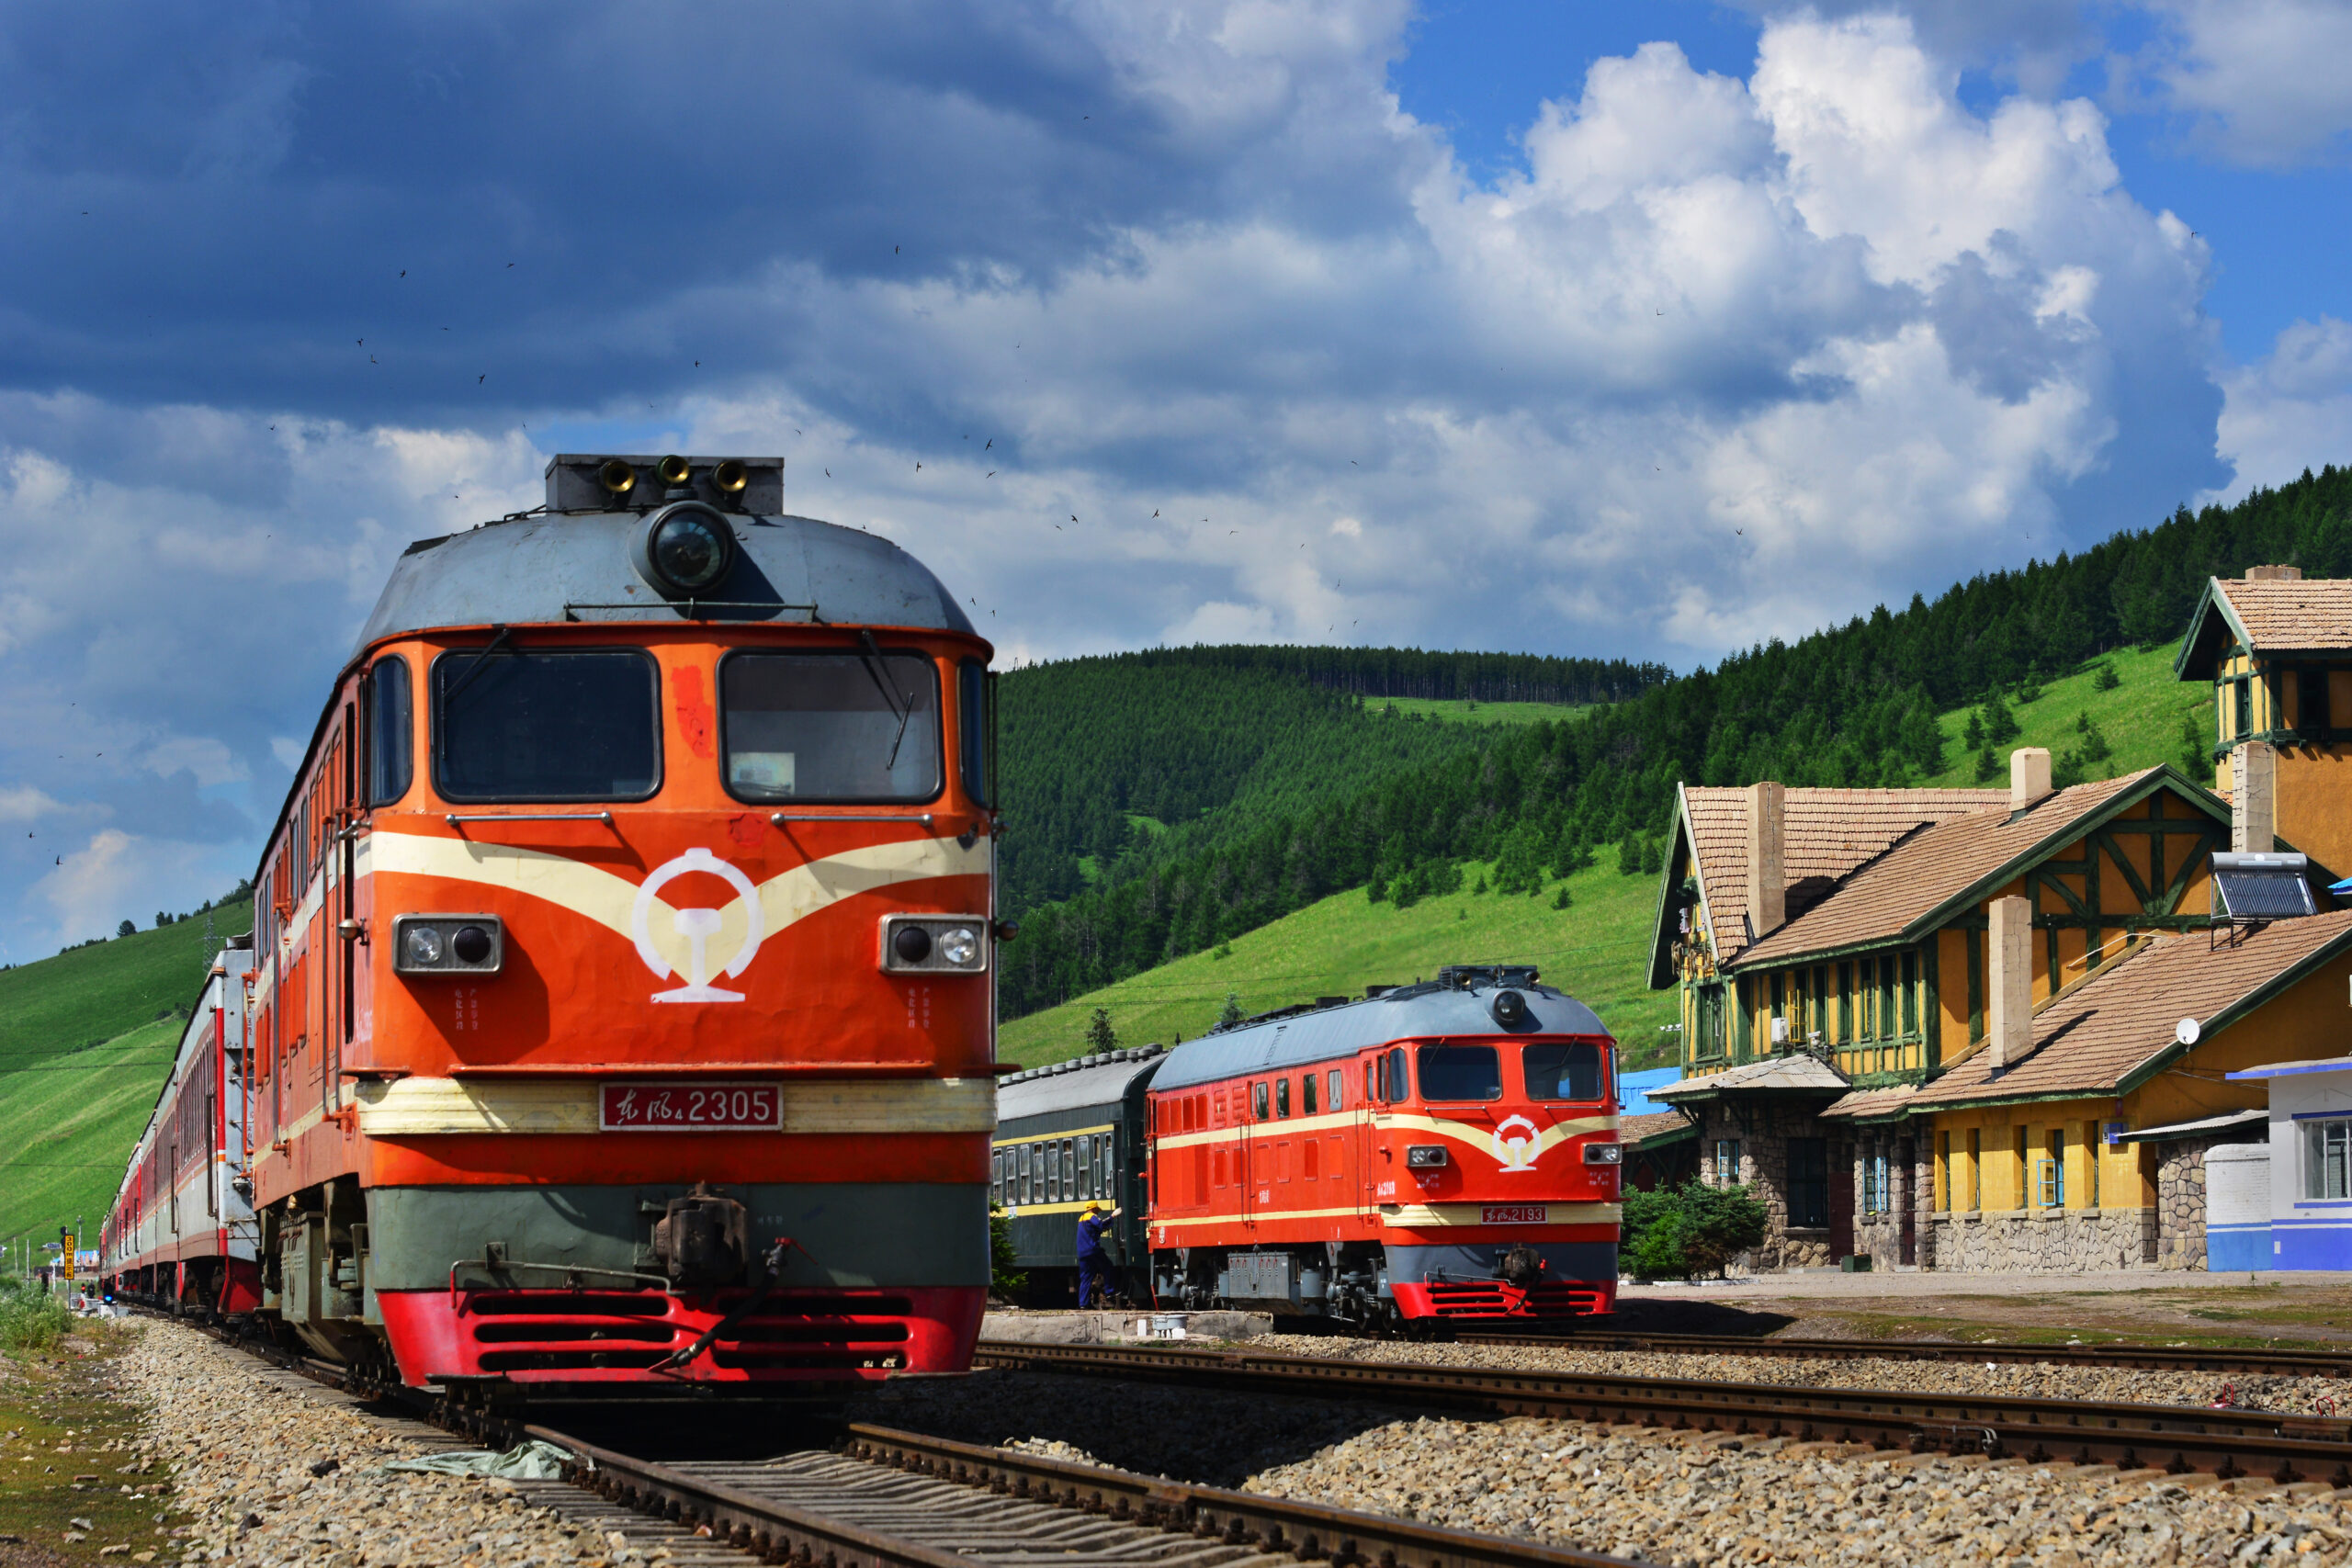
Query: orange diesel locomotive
x,y
622,1013
1437,1152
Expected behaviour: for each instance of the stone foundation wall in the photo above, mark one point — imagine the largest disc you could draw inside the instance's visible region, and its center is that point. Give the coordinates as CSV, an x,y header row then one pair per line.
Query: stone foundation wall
x,y
2044,1240
1764,1137
2181,1204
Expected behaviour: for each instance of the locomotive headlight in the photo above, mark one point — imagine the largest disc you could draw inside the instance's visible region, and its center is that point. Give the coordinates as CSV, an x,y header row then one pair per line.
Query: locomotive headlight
x,y
1604,1153
933,945
1424,1157
449,944
421,947
685,548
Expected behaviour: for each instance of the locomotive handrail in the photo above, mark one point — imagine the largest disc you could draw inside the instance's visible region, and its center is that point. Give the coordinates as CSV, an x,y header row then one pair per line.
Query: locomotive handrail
x,y
458,819
687,607
780,817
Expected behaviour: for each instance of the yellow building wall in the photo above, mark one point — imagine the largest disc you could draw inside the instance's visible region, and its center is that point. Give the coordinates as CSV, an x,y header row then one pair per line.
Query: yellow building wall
x,y
2307,1021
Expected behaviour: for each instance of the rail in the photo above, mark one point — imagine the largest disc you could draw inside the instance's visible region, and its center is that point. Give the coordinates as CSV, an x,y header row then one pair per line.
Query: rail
x,y
2226,1442
2130,1357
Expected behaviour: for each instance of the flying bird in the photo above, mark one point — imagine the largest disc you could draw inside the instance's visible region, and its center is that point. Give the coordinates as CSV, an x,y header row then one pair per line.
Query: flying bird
x,y
1073,516
991,442
917,468
403,272
990,474
480,379
1155,512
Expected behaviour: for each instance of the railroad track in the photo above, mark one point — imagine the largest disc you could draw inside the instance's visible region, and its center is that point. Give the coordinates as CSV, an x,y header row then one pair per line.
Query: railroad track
x,y
879,1498
2120,1358
2227,1442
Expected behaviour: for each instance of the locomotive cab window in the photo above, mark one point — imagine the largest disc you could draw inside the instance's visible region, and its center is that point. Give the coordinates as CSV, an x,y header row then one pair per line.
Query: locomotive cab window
x,y
542,725
829,726
1460,1072
1569,1071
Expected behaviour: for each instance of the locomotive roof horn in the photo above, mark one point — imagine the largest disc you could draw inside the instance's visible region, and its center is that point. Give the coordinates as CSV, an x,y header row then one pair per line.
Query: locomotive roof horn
x,y
730,476
674,470
616,475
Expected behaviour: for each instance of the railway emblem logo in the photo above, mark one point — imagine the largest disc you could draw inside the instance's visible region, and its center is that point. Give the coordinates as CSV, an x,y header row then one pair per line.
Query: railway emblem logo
x,y
697,926
1517,1150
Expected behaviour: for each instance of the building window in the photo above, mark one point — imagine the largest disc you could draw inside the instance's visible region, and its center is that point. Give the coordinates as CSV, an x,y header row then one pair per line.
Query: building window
x,y
2311,704
2090,1164
1944,1172
1809,1182
1874,1185
1911,993
2053,1172
1866,1024
1726,1162
1846,1000
2327,1160
2242,708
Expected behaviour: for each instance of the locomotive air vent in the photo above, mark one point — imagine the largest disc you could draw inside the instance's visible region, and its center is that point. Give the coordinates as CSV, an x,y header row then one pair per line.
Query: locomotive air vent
x,y
599,481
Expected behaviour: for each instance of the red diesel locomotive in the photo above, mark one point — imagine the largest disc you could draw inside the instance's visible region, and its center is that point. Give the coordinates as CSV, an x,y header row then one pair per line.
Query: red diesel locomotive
x,y
621,1017
1440,1151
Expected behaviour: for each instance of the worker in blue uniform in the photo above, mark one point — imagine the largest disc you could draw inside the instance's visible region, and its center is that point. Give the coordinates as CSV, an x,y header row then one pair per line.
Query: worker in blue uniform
x,y
1093,1263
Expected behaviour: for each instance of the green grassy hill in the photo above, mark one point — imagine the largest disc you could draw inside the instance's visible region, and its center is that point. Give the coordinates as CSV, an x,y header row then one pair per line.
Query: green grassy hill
x,y
86,1039
1598,949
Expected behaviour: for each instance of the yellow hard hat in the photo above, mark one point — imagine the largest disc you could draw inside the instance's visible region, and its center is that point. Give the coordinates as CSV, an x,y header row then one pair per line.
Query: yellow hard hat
x,y
1094,1208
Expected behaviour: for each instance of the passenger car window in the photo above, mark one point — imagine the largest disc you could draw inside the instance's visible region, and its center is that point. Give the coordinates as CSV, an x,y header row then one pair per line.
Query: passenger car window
x,y
1460,1072
1569,1071
530,725
831,727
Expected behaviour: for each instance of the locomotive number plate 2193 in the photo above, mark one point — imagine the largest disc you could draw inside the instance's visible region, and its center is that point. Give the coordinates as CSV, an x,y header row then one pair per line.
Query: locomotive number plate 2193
x,y
1512,1214
689,1107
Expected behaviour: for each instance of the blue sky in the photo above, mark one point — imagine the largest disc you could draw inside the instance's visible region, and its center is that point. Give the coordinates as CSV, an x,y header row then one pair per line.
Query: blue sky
x,y
1644,330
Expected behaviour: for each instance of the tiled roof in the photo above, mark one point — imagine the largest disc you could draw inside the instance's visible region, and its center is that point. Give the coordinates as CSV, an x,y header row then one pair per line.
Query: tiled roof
x,y
1931,866
1865,1103
2311,613
1796,1071
1825,833
1639,1129
2093,1037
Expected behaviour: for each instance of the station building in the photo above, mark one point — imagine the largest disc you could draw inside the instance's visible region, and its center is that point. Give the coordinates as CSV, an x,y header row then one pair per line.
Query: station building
x,y
1997,1030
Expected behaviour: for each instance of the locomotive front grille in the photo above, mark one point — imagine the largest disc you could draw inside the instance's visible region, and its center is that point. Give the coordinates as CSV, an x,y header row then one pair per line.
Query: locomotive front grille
x,y
564,1331
1499,1298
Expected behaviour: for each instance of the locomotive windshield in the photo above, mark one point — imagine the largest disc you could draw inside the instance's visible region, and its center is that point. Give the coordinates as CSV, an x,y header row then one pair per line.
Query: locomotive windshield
x,y
830,726
1460,1072
1563,1072
536,726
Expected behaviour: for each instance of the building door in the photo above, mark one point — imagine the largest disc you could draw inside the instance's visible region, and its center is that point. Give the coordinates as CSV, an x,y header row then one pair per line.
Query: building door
x,y
1841,1202
1905,1212
1808,1184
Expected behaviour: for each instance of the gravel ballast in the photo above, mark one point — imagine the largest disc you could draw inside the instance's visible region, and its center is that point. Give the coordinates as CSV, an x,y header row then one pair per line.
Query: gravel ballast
x,y
244,1462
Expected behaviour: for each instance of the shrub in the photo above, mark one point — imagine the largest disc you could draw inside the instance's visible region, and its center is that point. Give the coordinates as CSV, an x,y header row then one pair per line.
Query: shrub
x,y
1675,1232
30,1319
1004,1279
1099,1035
2106,680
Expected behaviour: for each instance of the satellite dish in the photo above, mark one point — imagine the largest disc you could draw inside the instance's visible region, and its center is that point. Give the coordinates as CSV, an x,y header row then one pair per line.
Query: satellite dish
x,y
2186,1032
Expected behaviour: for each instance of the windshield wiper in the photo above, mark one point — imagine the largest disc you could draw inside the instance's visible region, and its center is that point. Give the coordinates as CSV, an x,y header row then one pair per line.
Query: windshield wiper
x,y
500,636
872,655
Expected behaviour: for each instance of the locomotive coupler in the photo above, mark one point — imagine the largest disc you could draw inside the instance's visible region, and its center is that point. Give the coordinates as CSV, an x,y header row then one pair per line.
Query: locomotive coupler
x,y
703,1239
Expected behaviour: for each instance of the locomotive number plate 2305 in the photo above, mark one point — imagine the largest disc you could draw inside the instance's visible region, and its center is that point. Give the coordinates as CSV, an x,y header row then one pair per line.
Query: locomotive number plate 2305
x,y
690,1107
1512,1214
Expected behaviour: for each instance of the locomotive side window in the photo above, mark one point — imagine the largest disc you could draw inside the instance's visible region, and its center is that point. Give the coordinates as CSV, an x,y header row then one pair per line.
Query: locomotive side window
x,y
1396,1085
1337,1086
1306,1094
1563,1072
1282,1097
1258,1101
392,732
536,726
972,727
829,726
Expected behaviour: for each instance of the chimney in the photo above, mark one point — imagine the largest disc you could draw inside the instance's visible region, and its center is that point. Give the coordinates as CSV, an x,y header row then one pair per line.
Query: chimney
x,y
2274,574
2253,805
2028,776
1768,883
2008,1021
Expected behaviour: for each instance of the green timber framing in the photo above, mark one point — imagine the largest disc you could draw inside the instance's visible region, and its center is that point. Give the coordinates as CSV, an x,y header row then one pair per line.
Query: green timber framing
x,y
2070,892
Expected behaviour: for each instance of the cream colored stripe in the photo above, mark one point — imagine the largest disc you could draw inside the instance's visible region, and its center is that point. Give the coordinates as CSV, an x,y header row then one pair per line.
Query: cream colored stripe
x,y
1050,1137
1418,1217
1468,1132
424,1107
1260,1132
610,900
1268,1215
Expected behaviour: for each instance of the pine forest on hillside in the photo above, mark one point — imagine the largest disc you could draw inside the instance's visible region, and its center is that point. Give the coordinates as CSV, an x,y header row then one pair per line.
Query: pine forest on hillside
x,y
1853,705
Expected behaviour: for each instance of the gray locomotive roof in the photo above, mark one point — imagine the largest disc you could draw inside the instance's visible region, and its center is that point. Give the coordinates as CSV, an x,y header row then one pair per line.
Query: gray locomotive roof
x,y
576,565
1343,1030
1089,1080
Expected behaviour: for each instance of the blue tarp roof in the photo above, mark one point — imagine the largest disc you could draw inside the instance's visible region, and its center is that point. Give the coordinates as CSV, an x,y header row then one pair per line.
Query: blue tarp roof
x,y
1337,1032
1632,1090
